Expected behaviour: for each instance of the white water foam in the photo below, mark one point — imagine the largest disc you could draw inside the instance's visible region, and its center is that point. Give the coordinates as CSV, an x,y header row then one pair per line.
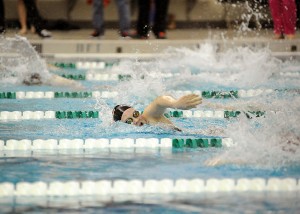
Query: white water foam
x,y
25,61
270,141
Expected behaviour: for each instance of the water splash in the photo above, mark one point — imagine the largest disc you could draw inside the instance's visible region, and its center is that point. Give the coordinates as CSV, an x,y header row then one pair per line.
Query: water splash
x,y
240,67
253,13
22,61
272,141
266,142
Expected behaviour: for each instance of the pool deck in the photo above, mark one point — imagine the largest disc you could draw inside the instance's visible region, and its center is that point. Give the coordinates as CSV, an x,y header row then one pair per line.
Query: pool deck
x,y
79,42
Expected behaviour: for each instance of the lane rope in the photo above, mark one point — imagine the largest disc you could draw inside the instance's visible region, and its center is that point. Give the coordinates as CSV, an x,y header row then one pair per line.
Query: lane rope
x,y
111,94
53,94
104,65
101,143
85,65
90,114
92,76
128,188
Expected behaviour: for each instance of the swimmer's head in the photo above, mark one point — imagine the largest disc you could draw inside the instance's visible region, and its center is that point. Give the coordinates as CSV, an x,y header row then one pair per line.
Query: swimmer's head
x,y
33,79
128,115
118,111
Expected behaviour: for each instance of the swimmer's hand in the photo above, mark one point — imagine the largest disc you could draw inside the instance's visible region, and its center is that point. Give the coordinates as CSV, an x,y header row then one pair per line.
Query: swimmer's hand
x,y
214,162
156,109
188,101
221,160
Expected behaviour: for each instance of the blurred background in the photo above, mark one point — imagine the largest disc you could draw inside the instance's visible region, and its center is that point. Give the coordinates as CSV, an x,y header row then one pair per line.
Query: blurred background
x,y
64,14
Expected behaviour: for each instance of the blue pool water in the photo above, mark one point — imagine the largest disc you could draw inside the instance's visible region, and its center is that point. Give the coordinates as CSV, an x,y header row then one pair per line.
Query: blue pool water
x,y
267,147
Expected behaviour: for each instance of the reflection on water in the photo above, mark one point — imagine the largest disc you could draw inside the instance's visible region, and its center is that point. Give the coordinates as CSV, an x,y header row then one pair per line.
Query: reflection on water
x,y
130,164
191,203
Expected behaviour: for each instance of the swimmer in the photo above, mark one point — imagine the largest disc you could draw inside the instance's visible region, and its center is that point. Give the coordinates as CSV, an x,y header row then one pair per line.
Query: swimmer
x,y
57,80
53,80
154,112
43,78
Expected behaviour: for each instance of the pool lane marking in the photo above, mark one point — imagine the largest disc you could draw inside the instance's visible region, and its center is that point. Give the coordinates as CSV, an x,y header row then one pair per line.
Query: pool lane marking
x,y
52,94
134,187
40,115
111,94
85,65
92,76
104,143
89,76
105,65
88,65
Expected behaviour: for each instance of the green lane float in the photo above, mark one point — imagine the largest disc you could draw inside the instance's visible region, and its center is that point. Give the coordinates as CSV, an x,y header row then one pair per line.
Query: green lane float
x,y
73,94
249,114
228,114
65,65
178,143
76,114
203,143
196,142
175,114
219,94
7,95
74,76
124,77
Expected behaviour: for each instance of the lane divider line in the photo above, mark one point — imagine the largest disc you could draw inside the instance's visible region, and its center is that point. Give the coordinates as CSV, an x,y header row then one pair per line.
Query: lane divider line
x,y
40,115
101,143
52,94
128,188
85,65
110,94
92,76
104,65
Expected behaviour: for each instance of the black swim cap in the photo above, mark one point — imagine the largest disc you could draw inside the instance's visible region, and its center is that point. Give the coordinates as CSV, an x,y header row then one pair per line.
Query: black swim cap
x,y
32,79
118,111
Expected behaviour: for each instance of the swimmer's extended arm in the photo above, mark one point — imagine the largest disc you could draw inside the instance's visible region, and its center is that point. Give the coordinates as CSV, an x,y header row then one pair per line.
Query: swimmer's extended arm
x,y
157,108
60,81
53,67
223,159
57,80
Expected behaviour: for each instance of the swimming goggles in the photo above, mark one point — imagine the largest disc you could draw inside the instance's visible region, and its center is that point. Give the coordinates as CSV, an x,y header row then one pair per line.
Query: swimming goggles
x,y
135,114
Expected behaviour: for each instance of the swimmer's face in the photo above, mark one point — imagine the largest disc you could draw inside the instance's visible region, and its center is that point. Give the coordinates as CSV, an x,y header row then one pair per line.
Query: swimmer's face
x,y
132,116
33,79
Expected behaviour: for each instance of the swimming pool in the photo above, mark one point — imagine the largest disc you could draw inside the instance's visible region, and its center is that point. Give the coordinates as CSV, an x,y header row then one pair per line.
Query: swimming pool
x,y
60,150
